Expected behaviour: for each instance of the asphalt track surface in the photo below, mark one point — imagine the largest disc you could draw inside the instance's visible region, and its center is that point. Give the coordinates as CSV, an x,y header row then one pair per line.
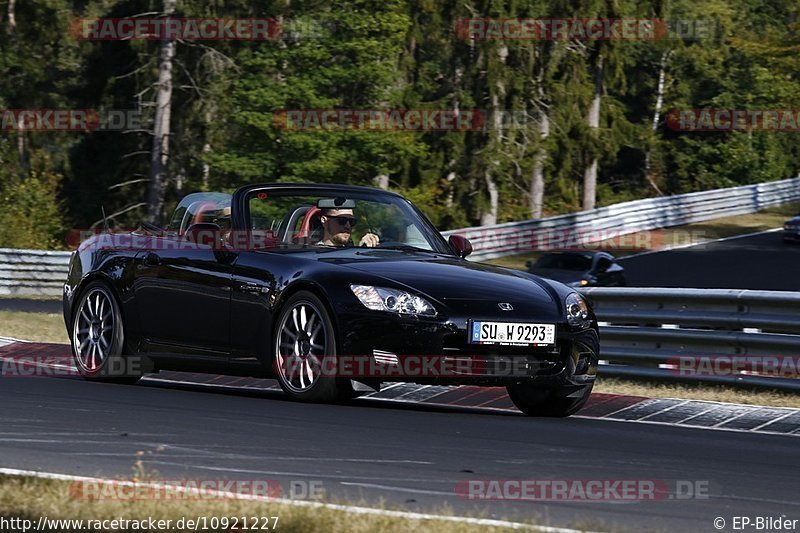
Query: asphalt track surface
x,y
411,457
761,261
30,306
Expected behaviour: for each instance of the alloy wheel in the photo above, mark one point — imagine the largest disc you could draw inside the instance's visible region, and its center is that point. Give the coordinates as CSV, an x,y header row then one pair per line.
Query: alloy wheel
x,y
302,346
93,331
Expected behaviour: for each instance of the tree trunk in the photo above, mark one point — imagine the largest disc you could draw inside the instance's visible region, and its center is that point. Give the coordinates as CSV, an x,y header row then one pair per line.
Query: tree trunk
x,y
12,18
22,140
490,217
662,74
590,173
22,146
537,176
161,129
381,181
536,193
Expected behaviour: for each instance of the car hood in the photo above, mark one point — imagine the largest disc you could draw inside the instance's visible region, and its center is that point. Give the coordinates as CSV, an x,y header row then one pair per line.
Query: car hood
x,y
466,287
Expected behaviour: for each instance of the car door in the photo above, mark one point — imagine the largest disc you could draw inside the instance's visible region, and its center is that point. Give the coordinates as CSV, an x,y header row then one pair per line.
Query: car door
x,y
252,296
183,296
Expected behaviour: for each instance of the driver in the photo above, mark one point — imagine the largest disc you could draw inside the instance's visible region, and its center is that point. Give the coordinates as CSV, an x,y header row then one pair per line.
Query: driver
x,y
338,224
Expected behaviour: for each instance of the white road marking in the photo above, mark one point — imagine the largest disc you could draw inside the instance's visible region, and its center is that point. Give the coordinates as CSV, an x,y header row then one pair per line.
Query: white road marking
x,y
300,503
397,489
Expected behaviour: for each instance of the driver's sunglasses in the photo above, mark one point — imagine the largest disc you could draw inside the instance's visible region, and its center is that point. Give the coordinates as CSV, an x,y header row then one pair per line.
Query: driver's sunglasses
x,y
343,219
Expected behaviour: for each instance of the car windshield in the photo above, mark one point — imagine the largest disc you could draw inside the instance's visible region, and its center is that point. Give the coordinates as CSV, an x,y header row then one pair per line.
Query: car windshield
x,y
565,261
201,207
293,220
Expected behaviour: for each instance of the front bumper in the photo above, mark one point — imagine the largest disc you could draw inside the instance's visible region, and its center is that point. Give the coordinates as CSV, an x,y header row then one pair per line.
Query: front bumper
x,y
436,351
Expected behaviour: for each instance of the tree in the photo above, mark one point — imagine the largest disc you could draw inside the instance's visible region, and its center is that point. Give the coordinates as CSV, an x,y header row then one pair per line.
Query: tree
x,y
161,128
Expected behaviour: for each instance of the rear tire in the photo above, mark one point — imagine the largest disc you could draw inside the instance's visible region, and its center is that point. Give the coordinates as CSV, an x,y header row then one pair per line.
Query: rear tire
x,y
98,338
304,338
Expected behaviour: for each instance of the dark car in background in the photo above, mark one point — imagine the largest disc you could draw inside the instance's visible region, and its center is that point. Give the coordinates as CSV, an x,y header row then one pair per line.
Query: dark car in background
x,y
791,229
580,269
245,284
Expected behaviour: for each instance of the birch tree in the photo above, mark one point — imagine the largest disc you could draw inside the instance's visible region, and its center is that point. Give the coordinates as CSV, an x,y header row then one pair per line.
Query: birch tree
x,y
159,155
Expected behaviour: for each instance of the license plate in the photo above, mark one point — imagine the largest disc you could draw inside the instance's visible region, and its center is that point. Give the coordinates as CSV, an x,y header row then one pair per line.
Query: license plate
x,y
512,333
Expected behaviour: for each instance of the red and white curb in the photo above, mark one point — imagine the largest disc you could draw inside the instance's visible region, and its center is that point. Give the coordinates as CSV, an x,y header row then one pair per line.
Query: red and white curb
x,y
639,409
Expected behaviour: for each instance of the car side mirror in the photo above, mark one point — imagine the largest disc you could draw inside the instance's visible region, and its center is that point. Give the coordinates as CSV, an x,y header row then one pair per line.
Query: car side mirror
x,y
204,234
460,245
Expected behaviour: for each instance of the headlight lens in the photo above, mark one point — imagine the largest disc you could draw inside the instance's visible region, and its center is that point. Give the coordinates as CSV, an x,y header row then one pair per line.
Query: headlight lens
x,y
577,311
392,300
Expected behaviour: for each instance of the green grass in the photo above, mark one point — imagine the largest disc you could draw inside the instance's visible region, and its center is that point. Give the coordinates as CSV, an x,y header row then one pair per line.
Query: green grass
x,y
712,393
31,498
720,228
39,327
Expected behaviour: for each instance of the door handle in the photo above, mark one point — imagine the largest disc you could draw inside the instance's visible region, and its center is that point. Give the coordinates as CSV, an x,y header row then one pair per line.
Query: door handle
x,y
151,259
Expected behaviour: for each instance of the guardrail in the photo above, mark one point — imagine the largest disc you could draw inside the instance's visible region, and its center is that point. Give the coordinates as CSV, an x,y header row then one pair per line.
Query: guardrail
x,y
629,217
32,272
37,272
743,338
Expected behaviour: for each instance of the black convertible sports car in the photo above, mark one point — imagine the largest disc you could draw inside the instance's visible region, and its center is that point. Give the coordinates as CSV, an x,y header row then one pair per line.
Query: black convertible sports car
x,y
791,229
330,289
580,269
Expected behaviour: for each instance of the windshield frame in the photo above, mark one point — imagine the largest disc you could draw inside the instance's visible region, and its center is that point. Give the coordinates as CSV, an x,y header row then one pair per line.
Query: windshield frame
x,y
241,206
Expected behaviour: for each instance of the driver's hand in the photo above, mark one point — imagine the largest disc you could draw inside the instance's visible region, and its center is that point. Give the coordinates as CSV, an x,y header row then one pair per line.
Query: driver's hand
x,y
370,240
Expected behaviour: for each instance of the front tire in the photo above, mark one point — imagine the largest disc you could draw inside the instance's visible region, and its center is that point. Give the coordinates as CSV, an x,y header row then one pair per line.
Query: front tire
x,y
534,400
304,339
538,401
98,338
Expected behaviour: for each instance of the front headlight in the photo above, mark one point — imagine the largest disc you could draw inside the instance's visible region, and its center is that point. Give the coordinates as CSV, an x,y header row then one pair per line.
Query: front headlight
x,y
577,311
392,300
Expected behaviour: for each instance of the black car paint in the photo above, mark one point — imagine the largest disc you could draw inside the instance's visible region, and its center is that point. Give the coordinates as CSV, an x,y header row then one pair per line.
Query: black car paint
x,y
214,311
791,229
